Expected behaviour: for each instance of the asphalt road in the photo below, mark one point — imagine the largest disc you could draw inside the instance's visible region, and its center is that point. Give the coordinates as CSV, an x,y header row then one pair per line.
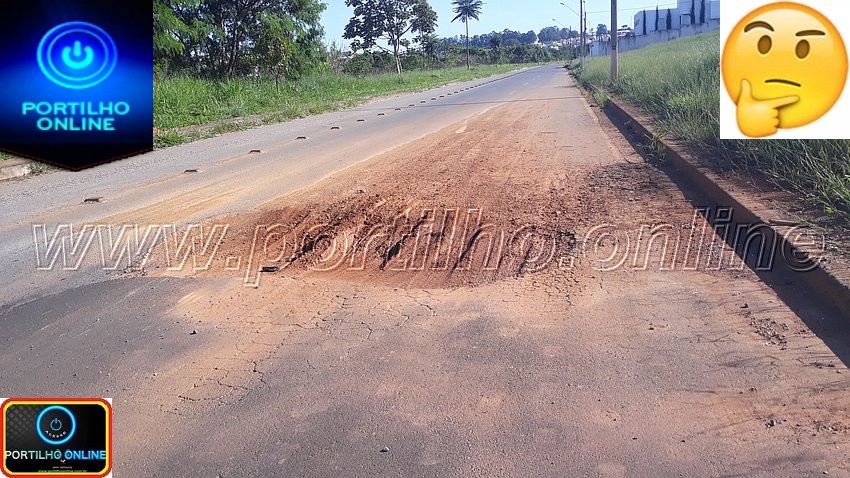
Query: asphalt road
x,y
228,172
402,371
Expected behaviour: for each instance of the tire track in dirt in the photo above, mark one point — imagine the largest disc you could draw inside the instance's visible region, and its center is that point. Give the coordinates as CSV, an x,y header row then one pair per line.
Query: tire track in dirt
x,y
648,366
462,209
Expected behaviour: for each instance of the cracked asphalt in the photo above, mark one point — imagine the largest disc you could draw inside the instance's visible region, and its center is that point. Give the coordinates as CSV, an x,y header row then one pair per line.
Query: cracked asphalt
x,y
527,364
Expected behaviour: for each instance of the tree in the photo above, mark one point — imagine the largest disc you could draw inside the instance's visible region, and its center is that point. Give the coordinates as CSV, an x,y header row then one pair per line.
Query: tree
x,y
464,10
166,25
274,47
601,30
656,18
549,34
430,42
702,12
496,46
643,23
693,14
222,38
389,20
669,19
528,38
336,57
511,37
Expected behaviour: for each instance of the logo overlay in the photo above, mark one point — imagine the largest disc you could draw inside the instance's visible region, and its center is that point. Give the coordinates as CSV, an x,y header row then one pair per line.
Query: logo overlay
x,y
784,69
56,437
74,66
78,81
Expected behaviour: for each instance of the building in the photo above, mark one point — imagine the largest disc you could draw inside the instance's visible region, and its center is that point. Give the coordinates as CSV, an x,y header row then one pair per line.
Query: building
x,y
674,18
670,24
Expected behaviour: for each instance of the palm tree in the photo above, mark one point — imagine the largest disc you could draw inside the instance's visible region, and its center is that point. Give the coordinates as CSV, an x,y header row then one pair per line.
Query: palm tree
x,y
430,42
466,9
496,46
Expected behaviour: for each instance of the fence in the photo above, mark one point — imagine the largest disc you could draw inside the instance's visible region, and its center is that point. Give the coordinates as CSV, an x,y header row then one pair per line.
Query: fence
x,y
603,47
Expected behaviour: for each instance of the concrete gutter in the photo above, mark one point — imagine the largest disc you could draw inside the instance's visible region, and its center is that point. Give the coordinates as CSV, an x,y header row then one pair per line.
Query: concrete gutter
x,y
14,168
830,285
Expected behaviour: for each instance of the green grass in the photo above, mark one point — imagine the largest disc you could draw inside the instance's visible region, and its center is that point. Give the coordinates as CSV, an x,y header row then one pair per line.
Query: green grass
x,y
678,84
212,107
182,102
35,167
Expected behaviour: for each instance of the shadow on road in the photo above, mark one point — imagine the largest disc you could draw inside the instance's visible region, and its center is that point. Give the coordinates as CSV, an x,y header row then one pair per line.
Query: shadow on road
x,y
823,319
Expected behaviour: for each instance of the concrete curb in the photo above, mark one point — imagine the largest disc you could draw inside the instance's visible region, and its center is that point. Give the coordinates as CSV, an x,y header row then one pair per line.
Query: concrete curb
x,y
14,168
821,283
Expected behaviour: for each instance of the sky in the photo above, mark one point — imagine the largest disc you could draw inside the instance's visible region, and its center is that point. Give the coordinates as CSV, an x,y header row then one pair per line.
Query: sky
x,y
522,16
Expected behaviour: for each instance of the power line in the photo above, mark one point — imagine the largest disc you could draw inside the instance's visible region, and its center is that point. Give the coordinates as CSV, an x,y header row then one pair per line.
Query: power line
x,y
648,7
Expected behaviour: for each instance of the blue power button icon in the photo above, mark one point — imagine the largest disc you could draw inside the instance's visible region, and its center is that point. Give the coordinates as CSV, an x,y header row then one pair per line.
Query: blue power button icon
x,y
55,425
77,55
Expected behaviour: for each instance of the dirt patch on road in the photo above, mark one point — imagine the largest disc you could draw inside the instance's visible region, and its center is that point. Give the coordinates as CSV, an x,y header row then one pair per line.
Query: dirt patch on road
x,y
500,195
623,355
496,197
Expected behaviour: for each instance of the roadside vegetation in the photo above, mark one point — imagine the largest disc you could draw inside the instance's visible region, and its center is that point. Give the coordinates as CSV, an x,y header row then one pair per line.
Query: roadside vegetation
x,y
678,84
466,10
220,68
181,101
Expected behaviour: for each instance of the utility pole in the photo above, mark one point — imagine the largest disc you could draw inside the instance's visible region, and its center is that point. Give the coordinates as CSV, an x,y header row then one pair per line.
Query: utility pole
x,y
586,51
614,42
581,20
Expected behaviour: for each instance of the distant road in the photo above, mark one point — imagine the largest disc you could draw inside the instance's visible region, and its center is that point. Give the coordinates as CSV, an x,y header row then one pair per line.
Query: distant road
x,y
487,283
231,178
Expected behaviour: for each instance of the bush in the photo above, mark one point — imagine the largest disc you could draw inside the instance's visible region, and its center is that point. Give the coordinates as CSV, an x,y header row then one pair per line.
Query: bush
x,y
450,56
678,84
186,101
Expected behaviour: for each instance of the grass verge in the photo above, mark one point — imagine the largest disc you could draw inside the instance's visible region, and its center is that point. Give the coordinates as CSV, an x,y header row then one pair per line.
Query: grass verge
x,y
187,109
181,102
678,84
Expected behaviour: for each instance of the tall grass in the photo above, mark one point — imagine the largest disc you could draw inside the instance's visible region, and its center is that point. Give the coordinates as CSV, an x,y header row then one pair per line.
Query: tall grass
x,y
184,101
678,84
181,102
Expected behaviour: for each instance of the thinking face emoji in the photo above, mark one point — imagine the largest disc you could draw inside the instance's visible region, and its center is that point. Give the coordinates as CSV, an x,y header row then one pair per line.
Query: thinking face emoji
x,y
784,65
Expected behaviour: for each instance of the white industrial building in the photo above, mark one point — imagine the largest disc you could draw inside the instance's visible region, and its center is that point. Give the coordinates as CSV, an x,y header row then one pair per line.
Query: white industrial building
x,y
648,30
645,20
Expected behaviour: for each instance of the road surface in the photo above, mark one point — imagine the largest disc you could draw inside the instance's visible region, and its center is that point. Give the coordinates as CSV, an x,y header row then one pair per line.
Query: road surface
x,y
463,287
